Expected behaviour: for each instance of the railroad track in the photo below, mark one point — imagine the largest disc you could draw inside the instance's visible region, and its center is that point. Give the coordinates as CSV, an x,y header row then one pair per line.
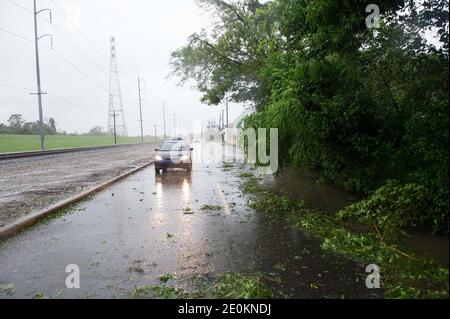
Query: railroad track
x,y
17,155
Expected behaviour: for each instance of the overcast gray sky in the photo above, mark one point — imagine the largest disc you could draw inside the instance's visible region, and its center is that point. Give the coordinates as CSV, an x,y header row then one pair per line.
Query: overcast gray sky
x,y
146,31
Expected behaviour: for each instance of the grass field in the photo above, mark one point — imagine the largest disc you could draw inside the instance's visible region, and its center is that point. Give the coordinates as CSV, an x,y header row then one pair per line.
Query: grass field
x,y
21,143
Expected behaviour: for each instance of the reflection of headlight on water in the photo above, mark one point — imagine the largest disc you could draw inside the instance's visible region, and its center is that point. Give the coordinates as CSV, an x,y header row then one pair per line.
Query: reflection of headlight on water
x,y
158,158
184,158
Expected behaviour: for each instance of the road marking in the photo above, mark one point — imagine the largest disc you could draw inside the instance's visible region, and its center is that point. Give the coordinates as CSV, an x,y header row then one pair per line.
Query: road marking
x,y
224,201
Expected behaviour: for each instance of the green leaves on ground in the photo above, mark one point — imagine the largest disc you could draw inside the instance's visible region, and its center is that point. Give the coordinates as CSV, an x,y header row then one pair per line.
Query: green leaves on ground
x,y
404,275
226,286
208,207
240,286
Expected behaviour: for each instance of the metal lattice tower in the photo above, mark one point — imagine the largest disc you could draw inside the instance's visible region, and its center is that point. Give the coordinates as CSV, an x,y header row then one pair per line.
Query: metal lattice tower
x,y
115,97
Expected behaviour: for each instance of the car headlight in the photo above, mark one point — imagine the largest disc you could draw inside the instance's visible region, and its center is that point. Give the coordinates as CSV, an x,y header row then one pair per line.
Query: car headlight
x,y
184,158
158,158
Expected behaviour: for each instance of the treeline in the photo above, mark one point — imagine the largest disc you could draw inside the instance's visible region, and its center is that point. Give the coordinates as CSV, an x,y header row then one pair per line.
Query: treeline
x,y
18,125
365,108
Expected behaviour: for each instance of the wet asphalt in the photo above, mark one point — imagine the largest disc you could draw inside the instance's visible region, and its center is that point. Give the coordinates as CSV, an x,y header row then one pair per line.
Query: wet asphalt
x,y
33,183
148,225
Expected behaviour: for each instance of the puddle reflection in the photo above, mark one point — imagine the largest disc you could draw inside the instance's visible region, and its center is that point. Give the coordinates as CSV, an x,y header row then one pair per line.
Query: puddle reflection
x,y
173,183
174,178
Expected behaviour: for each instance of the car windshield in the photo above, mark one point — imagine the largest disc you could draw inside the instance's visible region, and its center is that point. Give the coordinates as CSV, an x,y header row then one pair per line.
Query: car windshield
x,y
171,146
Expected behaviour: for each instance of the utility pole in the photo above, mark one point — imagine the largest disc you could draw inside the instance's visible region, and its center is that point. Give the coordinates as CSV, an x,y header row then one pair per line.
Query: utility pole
x,y
220,121
140,107
114,121
164,119
156,135
223,120
38,71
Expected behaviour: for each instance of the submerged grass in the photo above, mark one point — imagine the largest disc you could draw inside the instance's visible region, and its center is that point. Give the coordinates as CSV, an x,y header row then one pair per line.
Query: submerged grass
x,y
240,286
7,289
403,275
226,286
252,186
158,291
245,174
76,207
227,165
211,207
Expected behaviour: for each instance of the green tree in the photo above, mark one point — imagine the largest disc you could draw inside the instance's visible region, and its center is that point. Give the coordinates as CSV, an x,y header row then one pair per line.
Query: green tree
x,y
52,124
358,106
97,131
15,122
227,61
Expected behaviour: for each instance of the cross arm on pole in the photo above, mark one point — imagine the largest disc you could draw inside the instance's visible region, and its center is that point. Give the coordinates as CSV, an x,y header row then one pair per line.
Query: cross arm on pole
x,y
47,35
49,12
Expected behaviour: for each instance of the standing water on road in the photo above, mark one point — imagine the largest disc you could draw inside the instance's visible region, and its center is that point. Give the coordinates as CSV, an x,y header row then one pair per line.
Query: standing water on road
x,y
172,228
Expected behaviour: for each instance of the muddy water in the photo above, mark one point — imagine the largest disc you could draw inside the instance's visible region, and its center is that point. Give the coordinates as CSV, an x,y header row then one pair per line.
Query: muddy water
x,y
147,225
300,185
422,244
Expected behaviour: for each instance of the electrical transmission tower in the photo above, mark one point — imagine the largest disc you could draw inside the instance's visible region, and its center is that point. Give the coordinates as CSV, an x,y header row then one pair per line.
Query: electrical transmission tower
x,y
115,97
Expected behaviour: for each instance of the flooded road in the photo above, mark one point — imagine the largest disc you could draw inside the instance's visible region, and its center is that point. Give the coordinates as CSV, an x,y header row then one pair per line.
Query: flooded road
x,y
185,224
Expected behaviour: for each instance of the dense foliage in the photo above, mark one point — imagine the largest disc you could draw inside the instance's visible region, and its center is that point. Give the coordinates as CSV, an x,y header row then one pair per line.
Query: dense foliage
x,y
358,106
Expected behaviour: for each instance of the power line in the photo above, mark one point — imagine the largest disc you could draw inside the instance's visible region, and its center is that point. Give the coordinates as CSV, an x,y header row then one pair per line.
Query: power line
x,y
61,33
67,102
78,70
15,87
25,9
79,31
22,37
61,56
51,95
79,50
20,6
16,35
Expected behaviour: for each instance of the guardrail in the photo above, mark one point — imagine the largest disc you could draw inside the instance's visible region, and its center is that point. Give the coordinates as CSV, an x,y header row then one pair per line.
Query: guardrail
x,y
17,155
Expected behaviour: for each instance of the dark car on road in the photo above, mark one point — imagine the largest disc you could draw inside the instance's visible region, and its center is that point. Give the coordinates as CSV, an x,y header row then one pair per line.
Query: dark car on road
x,y
175,153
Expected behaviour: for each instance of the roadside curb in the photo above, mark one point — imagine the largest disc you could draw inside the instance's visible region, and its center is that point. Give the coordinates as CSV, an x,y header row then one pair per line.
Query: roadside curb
x,y
31,219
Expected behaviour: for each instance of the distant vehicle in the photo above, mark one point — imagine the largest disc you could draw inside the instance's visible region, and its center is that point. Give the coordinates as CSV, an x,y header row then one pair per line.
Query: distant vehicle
x,y
175,153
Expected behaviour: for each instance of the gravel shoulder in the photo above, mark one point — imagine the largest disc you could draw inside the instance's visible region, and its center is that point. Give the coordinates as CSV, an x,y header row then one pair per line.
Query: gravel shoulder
x,y
34,183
